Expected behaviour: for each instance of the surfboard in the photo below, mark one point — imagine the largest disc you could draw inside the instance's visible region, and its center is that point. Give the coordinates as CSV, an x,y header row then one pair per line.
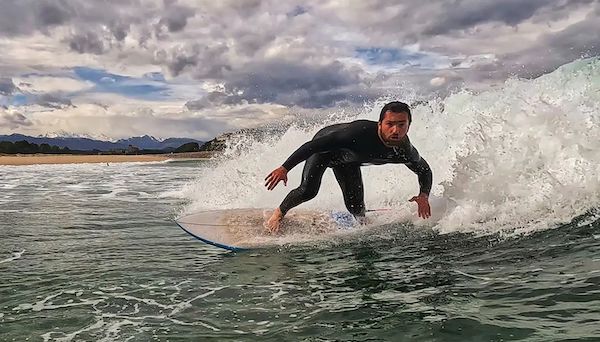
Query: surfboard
x,y
242,229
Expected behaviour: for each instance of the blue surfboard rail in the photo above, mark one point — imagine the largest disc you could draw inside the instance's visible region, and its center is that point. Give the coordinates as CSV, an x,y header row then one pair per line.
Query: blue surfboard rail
x,y
216,244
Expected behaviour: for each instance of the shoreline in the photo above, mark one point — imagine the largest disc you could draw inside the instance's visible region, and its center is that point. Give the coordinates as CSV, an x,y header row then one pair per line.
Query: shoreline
x,y
36,159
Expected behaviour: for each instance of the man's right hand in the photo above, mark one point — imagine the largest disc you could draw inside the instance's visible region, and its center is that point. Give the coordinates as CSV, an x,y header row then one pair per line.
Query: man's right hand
x,y
278,175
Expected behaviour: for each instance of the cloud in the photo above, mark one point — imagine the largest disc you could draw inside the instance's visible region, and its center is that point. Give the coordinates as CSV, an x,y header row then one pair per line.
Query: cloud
x,y
131,120
34,83
552,50
13,120
88,42
23,17
175,18
50,100
467,14
248,57
208,61
215,99
50,14
547,51
287,83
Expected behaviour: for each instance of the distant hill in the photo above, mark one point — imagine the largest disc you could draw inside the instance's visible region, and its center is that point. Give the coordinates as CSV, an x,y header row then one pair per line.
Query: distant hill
x,y
88,144
219,143
151,143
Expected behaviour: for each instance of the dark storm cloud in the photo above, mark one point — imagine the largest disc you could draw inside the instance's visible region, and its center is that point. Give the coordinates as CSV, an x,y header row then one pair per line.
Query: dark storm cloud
x,y
52,14
19,17
88,42
289,84
7,87
176,17
85,18
467,14
24,17
119,31
200,60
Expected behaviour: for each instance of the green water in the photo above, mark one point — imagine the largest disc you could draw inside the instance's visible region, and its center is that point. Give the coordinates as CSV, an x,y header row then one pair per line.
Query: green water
x,y
90,253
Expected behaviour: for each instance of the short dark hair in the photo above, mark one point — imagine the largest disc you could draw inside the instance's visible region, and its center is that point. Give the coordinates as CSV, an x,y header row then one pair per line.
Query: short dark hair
x,y
396,107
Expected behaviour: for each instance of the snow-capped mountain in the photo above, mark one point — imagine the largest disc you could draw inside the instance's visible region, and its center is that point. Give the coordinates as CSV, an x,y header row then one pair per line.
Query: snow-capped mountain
x,y
65,134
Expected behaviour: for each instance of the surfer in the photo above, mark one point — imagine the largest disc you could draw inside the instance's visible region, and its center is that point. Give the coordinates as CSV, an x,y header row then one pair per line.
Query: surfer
x,y
345,147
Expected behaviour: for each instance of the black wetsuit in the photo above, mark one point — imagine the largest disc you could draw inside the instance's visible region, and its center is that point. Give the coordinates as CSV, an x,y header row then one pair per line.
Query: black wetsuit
x,y
345,147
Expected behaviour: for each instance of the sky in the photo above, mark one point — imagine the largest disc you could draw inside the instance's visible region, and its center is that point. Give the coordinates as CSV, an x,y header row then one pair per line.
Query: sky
x,y
180,68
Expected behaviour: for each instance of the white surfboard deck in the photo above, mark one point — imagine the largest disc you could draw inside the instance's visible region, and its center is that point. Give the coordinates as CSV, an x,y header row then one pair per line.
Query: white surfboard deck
x,y
242,229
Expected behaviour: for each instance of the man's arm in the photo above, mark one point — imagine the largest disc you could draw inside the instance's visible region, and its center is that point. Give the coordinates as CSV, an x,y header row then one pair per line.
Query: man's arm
x,y
325,143
423,171
419,166
329,142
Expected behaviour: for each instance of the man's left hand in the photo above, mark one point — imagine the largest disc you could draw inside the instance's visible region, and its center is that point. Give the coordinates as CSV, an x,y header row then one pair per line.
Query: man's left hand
x,y
423,205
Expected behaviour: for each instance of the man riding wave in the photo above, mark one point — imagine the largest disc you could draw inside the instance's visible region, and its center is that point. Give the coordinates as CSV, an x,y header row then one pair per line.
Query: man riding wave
x,y
345,148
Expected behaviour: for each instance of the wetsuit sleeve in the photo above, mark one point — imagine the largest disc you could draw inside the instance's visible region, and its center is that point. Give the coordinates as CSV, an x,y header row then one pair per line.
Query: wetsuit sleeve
x,y
419,166
332,141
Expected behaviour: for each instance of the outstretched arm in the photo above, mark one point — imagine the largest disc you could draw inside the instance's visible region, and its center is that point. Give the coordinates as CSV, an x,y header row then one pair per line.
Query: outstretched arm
x,y
325,143
423,171
419,166
317,145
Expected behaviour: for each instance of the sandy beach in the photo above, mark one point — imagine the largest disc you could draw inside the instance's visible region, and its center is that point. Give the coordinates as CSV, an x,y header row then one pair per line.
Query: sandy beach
x,y
31,159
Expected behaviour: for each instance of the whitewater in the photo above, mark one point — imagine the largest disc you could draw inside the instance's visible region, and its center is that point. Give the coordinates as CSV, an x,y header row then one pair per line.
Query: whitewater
x,y
516,159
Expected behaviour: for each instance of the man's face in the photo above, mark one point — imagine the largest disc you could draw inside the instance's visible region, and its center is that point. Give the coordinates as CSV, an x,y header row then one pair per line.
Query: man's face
x,y
394,127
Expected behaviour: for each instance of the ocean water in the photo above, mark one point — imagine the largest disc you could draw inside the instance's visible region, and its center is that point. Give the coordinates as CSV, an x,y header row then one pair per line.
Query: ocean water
x,y
90,252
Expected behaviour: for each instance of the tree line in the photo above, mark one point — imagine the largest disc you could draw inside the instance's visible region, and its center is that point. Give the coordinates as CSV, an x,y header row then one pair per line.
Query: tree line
x,y
25,147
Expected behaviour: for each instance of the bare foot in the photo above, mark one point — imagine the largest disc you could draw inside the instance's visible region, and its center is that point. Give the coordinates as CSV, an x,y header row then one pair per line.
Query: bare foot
x,y
274,222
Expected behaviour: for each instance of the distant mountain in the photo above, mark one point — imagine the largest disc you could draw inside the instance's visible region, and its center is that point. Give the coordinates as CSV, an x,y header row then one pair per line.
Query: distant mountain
x,y
88,144
145,141
151,143
65,134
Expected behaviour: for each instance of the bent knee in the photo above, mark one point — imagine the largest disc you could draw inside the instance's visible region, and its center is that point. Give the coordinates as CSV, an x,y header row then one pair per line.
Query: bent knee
x,y
308,193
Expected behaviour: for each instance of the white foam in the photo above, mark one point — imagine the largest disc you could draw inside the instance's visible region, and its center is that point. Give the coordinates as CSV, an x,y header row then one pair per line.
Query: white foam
x,y
516,159
46,304
188,303
595,216
15,256
107,325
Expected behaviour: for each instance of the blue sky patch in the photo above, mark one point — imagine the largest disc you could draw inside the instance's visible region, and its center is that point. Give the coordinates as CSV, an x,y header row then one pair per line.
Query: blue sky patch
x,y
151,87
394,57
18,100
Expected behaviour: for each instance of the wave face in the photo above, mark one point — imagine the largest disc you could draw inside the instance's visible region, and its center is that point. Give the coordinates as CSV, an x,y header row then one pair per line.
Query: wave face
x,y
516,159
